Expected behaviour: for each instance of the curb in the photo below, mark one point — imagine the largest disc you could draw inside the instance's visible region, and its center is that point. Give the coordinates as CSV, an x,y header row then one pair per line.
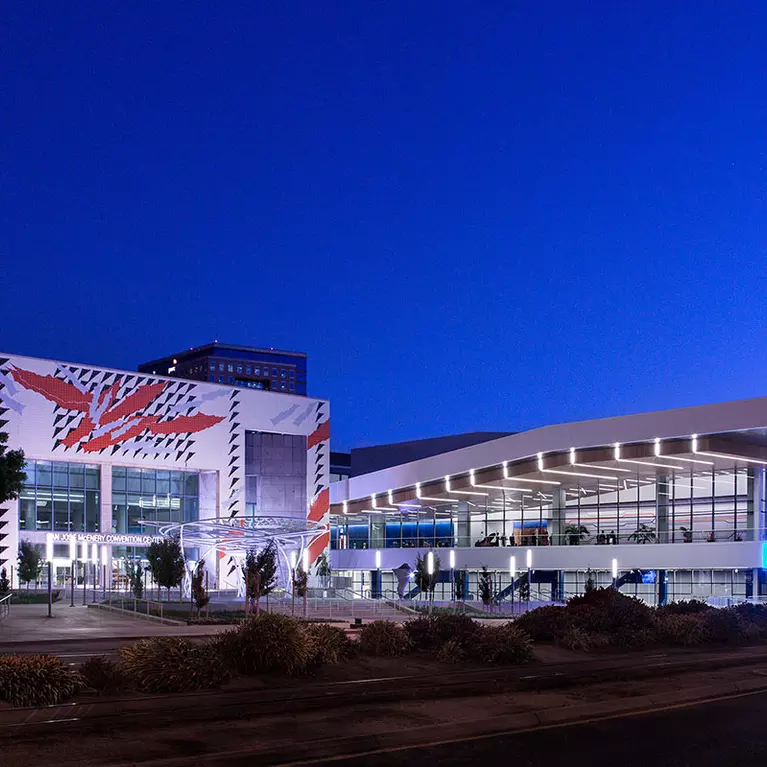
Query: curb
x,y
356,746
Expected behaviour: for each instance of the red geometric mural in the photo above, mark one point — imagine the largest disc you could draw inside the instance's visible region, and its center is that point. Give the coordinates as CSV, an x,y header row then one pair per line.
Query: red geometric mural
x,y
106,420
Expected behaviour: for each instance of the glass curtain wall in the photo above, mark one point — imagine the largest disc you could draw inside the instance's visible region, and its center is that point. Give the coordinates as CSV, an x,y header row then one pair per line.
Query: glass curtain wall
x,y
61,497
682,506
152,494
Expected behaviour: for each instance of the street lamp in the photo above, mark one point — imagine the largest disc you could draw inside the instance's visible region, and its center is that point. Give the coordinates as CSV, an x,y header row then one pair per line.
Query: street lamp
x,y
452,573
529,558
513,574
615,573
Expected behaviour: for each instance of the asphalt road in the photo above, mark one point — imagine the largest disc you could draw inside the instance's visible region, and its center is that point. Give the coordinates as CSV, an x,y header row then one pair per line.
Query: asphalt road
x,y
718,734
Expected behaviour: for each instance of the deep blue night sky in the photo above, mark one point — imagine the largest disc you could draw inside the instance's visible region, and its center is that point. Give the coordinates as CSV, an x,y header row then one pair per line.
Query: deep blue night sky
x,y
471,215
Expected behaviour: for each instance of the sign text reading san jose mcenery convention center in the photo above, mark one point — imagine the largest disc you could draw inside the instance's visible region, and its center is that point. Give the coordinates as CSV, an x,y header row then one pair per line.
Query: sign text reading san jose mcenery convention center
x,y
116,538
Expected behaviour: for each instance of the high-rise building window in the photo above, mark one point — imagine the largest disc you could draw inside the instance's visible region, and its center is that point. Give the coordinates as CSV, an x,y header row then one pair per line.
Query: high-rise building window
x,y
60,496
292,373
230,368
220,367
213,367
248,369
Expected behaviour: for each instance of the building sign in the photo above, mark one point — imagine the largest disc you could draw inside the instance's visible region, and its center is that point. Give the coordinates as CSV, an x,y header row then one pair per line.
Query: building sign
x,y
116,539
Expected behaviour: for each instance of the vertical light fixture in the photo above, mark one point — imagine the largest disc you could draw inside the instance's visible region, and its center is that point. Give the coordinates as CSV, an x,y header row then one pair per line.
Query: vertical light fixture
x,y
95,553
293,560
452,559
378,559
49,547
105,555
430,563
513,569
529,558
615,573
305,560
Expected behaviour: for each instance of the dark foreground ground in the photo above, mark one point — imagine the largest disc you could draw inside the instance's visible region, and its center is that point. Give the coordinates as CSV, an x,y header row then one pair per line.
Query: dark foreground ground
x,y
717,734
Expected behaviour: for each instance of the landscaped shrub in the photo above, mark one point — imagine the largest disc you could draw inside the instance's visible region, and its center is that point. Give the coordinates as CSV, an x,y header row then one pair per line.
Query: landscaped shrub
x,y
545,624
36,680
608,611
574,638
458,626
452,651
430,632
722,625
103,675
422,632
755,614
265,643
683,629
173,664
383,638
684,607
502,644
329,644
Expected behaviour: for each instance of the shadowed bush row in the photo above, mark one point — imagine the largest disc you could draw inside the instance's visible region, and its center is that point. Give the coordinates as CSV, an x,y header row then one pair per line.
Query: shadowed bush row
x,y
606,618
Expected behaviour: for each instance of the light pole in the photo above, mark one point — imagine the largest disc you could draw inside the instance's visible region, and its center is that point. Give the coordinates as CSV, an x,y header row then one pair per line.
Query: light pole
x,y
378,589
513,574
293,561
72,567
84,557
94,566
615,574
529,556
104,560
49,557
452,574
430,571
305,566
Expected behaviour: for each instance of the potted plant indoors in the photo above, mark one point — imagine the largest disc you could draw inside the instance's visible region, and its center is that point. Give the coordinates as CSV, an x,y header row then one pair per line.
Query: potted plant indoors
x,y
574,533
643,534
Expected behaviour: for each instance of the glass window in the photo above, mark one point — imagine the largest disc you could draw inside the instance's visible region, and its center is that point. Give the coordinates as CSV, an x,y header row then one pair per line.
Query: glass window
x,y
44,473
92,477
77,512
230,368
147,482
220,367
283,373
292,373
239,368
230,380
212,379
274,371
257,370
213,367
134,480
248,369
292,386
282,386
190,483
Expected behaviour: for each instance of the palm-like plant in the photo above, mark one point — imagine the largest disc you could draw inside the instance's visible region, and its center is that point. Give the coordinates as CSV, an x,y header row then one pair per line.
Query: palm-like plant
x,y
575,533
643,534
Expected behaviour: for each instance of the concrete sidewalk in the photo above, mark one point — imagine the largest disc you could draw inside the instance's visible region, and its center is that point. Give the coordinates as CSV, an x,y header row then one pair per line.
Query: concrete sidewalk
x,y
30,624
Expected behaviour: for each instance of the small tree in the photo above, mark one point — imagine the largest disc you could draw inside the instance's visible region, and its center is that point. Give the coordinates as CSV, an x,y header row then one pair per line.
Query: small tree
x,y
485,586
524,588
300,584
459,581
322,569
199,592
166,563
12,475
423,579
260,573
5,584
30,563
135,575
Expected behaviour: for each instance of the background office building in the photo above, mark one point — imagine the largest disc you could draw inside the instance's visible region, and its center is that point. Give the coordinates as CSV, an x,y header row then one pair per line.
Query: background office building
x,y
248,367
112,455
673,501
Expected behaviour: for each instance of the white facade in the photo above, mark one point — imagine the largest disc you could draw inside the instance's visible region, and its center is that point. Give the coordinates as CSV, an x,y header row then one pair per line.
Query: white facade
x,y
102,418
